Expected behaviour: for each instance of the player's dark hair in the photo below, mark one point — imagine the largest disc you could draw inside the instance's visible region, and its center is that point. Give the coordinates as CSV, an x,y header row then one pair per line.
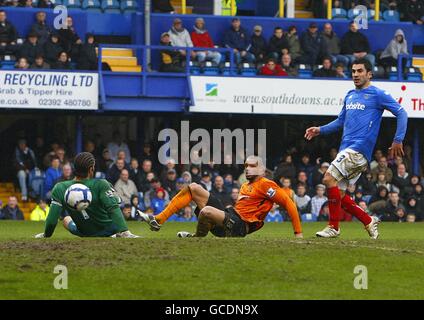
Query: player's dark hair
x,y
83,162
367,64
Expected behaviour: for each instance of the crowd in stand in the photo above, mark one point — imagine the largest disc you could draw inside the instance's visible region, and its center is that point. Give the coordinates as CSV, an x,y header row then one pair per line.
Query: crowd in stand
x,y
323,50
388,189
47,48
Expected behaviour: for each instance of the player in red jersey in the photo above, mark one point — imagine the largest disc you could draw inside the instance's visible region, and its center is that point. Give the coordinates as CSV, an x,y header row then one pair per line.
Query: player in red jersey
x,y
255,200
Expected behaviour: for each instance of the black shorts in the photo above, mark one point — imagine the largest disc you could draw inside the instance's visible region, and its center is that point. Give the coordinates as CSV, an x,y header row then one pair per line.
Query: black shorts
x,y
233,226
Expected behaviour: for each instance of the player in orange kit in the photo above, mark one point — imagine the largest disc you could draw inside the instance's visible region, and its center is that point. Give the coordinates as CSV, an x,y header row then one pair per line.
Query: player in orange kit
x,y
255,200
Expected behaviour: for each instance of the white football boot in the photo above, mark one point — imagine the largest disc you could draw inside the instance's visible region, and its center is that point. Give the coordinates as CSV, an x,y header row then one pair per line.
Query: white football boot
x,y
185,234
125,234
150,219
372,228
328,232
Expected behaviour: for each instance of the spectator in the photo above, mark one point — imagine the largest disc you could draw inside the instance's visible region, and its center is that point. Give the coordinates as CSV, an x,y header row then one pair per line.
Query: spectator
x,y
368,186
155,185
125,187
413,10
53,173
52,48
158,201
39,63
87,59
22,64
332,45
318,200
25,161
382,181
234,195
340,71
61,154
186,176
381,195
170,183
419,195
146,168
319,172
390,211
302,200
136,205
206,180
401,180
171,60
259,46
358,196
302,178
180,37
326,71
363,205
305,165
40,28
105,162
62,62
8,35
324,213
355,45
195,173
117,144
115,170
229,167
413,181
69,39
377,155
219,191
45,4
411,207
162,6
274,215
30,49
126,211
201,38
312,45
11,211
396,46
237,39
148,154
382,166
187,215
136,175
293,41
40,150
170,164
278,44
271,68
25,4
288,66
40,212
285,169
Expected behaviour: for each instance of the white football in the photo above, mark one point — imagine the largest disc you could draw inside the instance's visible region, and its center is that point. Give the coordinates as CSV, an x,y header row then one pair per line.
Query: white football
x,y
78,196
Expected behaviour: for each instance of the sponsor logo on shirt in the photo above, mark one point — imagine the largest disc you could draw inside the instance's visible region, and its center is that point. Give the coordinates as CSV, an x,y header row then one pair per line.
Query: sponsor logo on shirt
x,y
355,106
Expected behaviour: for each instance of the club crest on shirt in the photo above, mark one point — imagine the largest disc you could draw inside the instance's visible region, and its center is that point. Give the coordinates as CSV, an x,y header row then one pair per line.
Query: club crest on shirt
x,y
270,192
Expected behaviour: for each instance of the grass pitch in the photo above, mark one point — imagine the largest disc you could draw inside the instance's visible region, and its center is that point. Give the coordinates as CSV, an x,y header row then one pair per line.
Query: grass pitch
x,y
269,264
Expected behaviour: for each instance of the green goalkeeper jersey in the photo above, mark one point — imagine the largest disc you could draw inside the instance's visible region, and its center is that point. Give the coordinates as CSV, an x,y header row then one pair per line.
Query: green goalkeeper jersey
x,y
103,216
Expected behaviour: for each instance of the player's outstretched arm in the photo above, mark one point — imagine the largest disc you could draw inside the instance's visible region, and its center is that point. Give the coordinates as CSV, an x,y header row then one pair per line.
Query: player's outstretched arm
x,y
51,221
282,199
312,132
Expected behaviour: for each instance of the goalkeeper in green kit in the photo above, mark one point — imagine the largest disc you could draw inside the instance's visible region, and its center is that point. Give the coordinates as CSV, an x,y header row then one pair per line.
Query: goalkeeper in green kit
x,y
102,218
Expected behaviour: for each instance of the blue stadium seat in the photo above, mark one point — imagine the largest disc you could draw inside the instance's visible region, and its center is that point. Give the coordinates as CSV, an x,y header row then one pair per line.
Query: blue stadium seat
x,y
371,14
129,6
72,4
248,70
391,15
308,217
195,68
305,71
226,71
413,74
91,5
210,69
339,13
393,73
353,13
111,6
56,2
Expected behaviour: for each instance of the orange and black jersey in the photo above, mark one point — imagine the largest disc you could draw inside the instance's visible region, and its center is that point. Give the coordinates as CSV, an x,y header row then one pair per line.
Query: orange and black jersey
x,y
256,200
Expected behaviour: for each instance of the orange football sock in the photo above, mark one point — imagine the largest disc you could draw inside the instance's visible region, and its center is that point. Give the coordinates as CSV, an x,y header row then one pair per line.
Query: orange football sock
x,y
181,200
